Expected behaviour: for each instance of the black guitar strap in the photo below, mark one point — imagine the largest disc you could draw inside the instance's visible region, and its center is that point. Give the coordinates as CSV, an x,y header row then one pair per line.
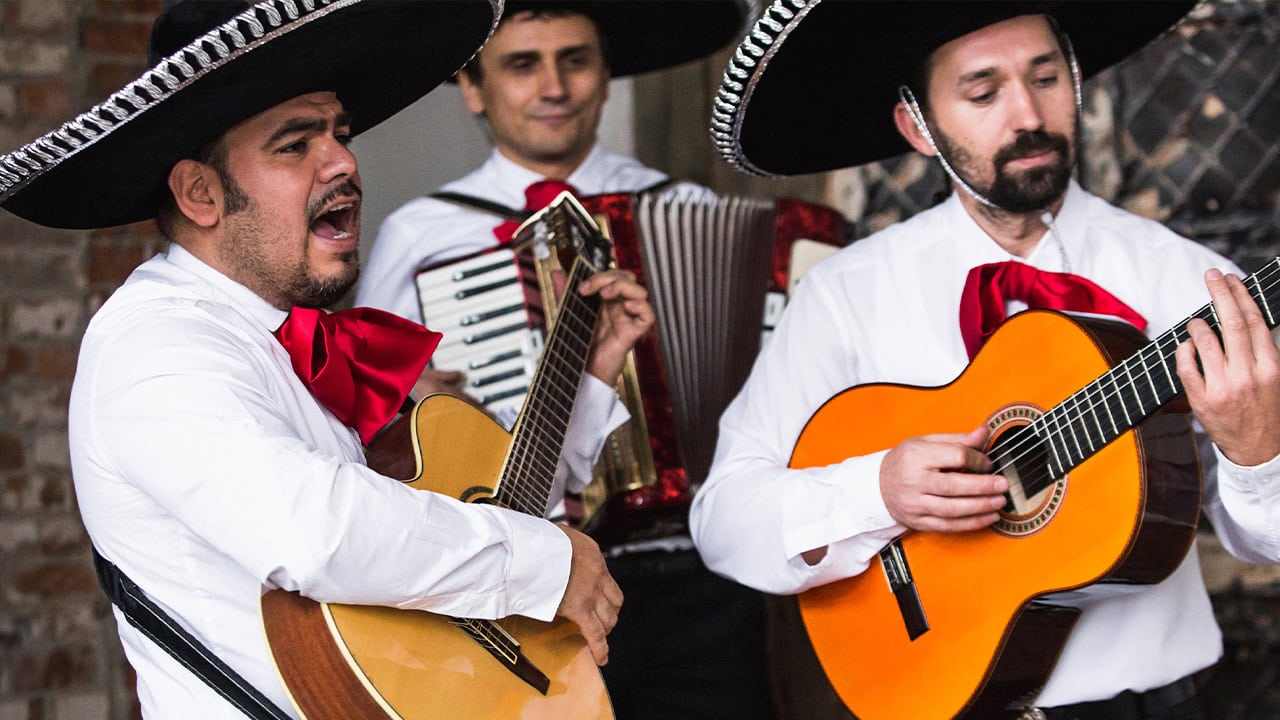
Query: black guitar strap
x,y
155,623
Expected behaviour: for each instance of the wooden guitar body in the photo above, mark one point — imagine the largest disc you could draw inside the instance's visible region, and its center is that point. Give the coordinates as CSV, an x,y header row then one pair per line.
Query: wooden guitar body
x,y
352,661
1126,514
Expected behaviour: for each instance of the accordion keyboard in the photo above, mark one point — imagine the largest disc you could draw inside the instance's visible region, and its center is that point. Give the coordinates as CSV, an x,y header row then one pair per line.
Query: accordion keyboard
x,y
479,306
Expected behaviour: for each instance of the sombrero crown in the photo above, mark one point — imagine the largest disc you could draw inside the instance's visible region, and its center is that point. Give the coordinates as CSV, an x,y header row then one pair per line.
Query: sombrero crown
x,y
216,63
813,84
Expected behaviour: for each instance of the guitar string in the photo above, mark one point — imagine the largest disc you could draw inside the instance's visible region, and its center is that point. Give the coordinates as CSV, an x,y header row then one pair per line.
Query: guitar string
x,y
1177,333
527,450
528,454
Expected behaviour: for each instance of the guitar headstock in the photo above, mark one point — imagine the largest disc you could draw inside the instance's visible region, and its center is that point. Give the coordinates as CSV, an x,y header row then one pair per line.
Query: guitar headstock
x,y
567,226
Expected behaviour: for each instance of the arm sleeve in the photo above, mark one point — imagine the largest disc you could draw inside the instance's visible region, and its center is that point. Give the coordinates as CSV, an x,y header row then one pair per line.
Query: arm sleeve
x,y
754,516
204,430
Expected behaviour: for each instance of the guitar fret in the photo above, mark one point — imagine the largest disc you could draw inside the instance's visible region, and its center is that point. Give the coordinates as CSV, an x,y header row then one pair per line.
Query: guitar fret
x,y
1145,374
1106,404
1097,424
1261,297
1174,385
1048,436
1137,396
1071,426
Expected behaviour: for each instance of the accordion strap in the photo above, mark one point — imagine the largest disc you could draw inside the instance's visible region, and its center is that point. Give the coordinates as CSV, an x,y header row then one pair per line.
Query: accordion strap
x,y
151,620
477,203
509,213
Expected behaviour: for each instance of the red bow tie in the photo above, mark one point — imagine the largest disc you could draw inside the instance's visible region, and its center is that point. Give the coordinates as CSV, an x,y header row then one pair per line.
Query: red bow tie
x,y
537,196
359,363
989,286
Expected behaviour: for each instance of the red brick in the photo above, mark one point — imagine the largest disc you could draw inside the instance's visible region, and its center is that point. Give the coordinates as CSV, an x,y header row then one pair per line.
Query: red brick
x,y
22,493
50,580
150,8
123,37
111,261
11,455
56,363
47,98
144,230
13,361
56,669
46,15
63,536
108,77
56,492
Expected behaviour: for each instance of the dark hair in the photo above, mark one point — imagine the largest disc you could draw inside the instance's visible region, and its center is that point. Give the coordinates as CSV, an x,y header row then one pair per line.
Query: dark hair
x,y
475,73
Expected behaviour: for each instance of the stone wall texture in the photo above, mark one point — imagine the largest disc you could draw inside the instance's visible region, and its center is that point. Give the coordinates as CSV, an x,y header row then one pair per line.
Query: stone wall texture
x,y
1185,132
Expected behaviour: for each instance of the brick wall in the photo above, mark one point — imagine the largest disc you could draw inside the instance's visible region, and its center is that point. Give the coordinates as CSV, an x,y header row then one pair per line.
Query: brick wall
x,y
59,656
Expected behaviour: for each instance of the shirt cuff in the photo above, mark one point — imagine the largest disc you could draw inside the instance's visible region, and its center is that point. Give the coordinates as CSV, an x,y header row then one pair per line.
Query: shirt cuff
x,y
1260,480
845,514
539,572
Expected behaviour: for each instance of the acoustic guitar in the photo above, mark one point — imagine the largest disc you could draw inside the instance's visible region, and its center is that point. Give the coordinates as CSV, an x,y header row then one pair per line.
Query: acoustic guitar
x,y
351,661
1090,426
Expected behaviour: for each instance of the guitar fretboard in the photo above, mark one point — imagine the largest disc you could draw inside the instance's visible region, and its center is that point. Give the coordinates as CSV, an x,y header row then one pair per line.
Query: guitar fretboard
x,y
538,438
1078,427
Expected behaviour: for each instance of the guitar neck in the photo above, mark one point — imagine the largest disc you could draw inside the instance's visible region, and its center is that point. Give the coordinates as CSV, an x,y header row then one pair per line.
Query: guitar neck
x,y
539,434
1133,390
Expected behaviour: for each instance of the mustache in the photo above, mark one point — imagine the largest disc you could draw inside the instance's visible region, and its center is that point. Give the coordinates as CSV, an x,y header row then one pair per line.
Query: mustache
x,y
1029,143
346,187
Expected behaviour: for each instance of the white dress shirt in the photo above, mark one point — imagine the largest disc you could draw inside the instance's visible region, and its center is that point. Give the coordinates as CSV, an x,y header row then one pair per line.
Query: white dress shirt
x,y
205,470
426,231
885,309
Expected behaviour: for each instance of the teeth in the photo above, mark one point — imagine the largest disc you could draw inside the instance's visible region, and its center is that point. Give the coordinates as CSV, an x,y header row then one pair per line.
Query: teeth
x,y
343,206
341,235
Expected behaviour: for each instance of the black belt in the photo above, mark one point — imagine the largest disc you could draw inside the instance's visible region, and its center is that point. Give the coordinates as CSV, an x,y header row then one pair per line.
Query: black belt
x,y
1179,695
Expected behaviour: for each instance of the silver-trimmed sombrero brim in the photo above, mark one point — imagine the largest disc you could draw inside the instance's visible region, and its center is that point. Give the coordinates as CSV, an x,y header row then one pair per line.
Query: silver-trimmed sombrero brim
x,y
812,85
106,167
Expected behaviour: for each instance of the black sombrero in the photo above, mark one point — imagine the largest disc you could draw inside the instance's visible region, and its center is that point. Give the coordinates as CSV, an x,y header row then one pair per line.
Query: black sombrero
x,y
216,63
813,84
647,35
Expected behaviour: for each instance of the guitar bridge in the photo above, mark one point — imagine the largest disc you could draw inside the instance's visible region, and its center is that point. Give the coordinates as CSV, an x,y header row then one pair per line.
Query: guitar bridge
x,y
505,649
894,562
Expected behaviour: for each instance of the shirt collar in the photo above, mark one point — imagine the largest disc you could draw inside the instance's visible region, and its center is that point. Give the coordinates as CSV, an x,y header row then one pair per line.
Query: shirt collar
x,y
975,246
509,178
233,292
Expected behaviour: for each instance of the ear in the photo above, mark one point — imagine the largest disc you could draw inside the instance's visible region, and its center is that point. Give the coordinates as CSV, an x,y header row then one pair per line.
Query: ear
x,y
196,191
908,129
471,94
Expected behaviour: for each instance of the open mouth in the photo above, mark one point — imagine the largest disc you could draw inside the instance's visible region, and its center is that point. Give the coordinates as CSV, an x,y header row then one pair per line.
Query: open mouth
x,y
337,222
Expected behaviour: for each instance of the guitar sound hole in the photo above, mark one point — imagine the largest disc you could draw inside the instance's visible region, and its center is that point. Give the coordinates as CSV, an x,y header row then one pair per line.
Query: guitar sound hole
x,y
1020,455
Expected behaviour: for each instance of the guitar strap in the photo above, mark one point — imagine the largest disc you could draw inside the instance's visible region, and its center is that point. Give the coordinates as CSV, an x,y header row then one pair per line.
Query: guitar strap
x,y
149,618
507,213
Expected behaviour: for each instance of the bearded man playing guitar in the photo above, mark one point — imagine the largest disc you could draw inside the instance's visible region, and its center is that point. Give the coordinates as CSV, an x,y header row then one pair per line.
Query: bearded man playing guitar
x,y
878,504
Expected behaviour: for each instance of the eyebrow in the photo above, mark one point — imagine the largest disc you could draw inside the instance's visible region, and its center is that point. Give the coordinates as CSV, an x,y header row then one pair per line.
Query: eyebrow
x,y
533,55
983,74
300,125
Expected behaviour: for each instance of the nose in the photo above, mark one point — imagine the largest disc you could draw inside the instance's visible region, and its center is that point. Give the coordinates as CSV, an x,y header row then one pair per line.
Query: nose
x,y
1025,111
552,83
339,161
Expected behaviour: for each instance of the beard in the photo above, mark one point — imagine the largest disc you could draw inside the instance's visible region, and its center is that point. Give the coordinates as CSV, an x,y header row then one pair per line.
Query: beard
x,y
1023,192
293,285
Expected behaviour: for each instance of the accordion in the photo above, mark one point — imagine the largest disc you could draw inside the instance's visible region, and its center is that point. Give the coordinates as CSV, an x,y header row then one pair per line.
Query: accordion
x,y
718,271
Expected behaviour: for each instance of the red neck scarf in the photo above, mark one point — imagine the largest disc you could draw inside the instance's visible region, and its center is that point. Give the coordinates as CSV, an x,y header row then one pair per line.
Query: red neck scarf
x,y
989,286
359,363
